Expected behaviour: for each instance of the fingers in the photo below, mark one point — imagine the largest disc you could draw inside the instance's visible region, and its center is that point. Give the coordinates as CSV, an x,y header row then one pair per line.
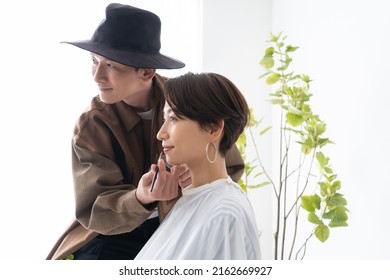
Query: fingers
x,y
185,182
166,184
142,192
184,175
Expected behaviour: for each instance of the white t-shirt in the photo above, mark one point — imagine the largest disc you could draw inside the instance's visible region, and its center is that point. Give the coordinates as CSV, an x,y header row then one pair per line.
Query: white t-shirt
x,y
213,221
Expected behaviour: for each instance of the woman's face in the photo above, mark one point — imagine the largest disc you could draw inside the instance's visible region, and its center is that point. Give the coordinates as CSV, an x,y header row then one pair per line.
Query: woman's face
x,y
183,140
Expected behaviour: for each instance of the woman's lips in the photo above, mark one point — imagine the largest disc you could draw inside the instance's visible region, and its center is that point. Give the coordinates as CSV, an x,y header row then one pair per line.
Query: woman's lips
x,y
167,148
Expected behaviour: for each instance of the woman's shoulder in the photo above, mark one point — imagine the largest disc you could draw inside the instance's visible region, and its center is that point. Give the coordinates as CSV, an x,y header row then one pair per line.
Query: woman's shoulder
x,y
227,188
228,197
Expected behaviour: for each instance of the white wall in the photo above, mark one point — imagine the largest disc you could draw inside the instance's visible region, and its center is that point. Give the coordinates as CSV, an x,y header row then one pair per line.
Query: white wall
x,y
344,46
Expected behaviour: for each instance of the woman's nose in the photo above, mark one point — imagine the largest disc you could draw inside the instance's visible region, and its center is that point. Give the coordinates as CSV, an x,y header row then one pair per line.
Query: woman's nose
x,y
162,134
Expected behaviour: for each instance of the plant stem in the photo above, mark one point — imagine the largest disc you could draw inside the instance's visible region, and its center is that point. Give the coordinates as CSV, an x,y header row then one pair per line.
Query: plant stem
x,y
306,182
301,161
287,138
303,247
260,162
278,196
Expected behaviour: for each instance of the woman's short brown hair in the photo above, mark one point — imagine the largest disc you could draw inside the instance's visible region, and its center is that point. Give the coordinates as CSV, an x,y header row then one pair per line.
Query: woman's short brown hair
x,y
208,98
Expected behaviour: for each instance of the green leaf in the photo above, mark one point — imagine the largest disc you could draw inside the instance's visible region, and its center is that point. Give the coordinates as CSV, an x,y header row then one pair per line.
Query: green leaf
x,y
288,91
308,143
321,159
305,78
331,177
267,62
291,48
278,101
313,218
322,141
70,257
336,185
273,78
276,94
294,119
252,120
338,200
258,185
265,130
307,146
324,186
265,74
269,51
241,142
306,150
328,170
338,224
311,202
284,66
306,204
339,216
322,233
306,108
242,185
328,215
296,131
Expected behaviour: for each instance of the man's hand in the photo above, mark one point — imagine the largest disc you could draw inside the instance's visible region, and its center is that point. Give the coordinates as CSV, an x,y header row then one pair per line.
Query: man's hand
x,y
165,187
183,174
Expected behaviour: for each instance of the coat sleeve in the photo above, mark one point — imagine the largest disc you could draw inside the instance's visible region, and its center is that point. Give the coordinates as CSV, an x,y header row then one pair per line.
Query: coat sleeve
x,y
234,163
103,203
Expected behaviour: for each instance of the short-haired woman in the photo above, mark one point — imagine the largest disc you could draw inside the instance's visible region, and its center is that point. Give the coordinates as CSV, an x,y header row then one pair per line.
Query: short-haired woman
x,y
204,115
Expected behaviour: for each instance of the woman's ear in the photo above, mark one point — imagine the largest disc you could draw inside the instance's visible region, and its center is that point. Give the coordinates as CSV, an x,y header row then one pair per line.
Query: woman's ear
x,y
216,130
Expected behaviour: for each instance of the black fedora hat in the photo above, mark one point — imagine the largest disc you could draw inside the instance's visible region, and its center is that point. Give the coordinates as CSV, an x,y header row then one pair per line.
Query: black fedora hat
x,y
130,36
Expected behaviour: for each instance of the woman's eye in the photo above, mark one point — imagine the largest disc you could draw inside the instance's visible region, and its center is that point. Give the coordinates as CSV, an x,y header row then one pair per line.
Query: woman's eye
x,y
169,119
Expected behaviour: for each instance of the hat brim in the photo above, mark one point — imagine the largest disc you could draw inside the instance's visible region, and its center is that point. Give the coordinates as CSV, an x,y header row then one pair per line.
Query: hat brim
x,y
133,59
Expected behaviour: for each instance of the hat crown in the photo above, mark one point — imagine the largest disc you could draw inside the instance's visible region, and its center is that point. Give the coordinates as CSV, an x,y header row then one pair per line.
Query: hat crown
x,y
129,28
130,36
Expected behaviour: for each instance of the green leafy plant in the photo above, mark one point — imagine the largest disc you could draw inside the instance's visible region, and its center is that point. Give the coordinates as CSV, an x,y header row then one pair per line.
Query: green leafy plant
x,y
297,184
70,257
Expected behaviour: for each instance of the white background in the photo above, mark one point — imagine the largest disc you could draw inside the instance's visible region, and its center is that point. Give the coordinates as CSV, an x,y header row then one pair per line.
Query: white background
x,y
46,85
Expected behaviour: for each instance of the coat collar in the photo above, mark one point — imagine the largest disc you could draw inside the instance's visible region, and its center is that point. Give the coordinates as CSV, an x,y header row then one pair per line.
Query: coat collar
x,y
129,116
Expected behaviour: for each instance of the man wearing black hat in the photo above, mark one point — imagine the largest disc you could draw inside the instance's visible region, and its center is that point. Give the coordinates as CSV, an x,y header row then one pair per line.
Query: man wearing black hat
x,y
114,143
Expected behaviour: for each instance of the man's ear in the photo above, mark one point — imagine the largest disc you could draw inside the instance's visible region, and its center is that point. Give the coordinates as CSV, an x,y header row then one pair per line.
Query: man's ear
x,y
147,73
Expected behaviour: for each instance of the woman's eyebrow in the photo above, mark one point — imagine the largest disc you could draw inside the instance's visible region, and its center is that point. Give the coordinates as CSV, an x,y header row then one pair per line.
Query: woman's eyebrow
x,y
167,111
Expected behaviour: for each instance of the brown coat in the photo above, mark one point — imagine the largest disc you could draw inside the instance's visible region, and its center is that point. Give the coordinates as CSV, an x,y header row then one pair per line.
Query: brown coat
x,y
109,158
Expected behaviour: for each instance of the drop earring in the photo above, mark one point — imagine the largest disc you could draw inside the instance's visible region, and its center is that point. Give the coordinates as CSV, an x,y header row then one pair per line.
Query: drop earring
x,y
207,152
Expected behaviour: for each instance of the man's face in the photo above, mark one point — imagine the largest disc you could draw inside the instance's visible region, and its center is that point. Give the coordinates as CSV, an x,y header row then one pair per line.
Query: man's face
x,y
118,82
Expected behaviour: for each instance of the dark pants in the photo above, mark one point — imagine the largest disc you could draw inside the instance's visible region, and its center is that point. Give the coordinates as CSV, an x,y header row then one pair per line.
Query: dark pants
x,y
123,246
